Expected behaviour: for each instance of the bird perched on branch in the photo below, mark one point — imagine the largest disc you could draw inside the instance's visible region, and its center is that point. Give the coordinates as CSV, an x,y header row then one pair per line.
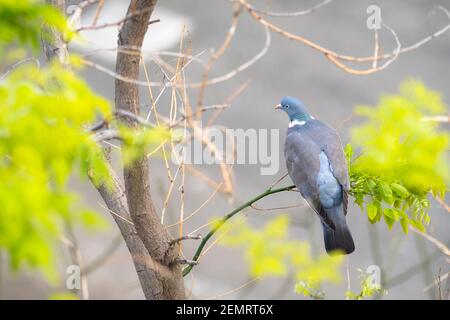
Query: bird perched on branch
x,y
316,164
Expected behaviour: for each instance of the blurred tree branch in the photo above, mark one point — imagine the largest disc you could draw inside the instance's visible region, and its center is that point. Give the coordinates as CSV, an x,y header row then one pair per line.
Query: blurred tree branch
x,y
57,48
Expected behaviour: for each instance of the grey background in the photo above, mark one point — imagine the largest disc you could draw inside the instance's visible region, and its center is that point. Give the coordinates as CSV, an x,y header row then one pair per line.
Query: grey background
x,y
289,68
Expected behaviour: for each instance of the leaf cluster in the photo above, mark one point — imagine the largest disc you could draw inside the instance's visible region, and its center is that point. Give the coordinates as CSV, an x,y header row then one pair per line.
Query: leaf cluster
x,y
402,157
270,252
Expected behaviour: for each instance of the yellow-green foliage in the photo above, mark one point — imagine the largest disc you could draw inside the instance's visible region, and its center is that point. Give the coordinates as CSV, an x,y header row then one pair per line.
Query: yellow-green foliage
x,y
42,140
368,288
402,156
141,141
44,116
64,296
270,252
21,22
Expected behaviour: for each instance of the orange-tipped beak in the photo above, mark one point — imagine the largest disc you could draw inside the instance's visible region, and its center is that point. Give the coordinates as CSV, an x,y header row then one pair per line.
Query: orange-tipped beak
x,y
278,106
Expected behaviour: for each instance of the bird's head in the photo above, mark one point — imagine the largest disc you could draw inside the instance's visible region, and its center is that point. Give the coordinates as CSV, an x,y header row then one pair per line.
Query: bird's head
x,y
294,108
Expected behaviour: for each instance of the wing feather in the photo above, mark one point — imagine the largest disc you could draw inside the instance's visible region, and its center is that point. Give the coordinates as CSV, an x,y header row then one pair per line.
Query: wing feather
x,y
302,162
329,141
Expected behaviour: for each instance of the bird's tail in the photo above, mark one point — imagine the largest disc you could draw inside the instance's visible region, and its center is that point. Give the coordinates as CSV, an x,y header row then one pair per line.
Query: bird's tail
x,y
339,239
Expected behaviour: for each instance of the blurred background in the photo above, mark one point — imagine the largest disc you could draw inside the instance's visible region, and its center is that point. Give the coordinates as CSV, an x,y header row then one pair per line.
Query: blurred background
x,y
409,264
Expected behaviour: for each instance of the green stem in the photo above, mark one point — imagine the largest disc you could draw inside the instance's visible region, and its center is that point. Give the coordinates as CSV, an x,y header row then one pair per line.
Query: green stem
x,y
227,217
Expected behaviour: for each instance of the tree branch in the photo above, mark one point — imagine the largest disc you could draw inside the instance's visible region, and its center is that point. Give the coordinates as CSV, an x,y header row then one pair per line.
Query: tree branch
x,y
226,218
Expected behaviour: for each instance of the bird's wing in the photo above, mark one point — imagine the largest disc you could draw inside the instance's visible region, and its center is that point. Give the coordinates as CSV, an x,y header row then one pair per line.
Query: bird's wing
x,y
329,141
303,164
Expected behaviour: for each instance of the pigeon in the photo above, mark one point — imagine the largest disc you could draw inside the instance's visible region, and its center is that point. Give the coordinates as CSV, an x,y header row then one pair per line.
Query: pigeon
x,y
316,164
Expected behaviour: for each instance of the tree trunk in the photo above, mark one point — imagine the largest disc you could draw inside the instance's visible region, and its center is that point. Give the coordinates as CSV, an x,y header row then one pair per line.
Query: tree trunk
x,y
133,211
167,280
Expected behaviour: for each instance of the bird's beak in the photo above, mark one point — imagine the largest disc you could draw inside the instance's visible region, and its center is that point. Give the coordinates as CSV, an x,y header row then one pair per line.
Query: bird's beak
x,y
278,106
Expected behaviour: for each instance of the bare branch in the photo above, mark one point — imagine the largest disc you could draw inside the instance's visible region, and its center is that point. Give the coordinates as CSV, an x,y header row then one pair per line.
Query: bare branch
x,y
247,283
337,58
188,262
441,118
101,3
444,249
131,15
443,203
19,63
187,237
216,80
218,54
291,14
222,221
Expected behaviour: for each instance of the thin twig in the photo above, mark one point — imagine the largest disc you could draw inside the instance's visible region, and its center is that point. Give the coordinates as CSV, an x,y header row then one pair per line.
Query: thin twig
x,y
442,203
441,118
193,213
335,57
101,3
119,22
18,63
444,249
115,214
185,261
247,283
276,208
186,237
222,221
217,55
376,52
291,14
437,281
216,80
279,180
228,101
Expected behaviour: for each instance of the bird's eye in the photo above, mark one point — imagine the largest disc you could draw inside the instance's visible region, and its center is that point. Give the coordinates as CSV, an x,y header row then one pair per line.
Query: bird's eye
x,y
287,106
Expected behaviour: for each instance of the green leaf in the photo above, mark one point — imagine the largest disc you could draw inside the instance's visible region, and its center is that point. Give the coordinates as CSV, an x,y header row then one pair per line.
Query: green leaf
x,y
371,211
389,220
281,256
402,157
391,214
386,193
22,21
400,190
371,184
43,141
418,225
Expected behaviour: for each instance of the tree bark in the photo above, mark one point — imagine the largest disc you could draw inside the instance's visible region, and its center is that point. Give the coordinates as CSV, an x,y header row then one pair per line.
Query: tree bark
x,y
148,270
57,48
167,280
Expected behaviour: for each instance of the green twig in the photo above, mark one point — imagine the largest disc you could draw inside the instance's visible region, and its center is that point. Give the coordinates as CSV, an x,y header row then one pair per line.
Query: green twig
x,y
222,221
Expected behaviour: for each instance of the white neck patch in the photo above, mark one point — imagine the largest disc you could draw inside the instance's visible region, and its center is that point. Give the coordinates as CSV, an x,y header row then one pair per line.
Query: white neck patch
x,y
296,123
